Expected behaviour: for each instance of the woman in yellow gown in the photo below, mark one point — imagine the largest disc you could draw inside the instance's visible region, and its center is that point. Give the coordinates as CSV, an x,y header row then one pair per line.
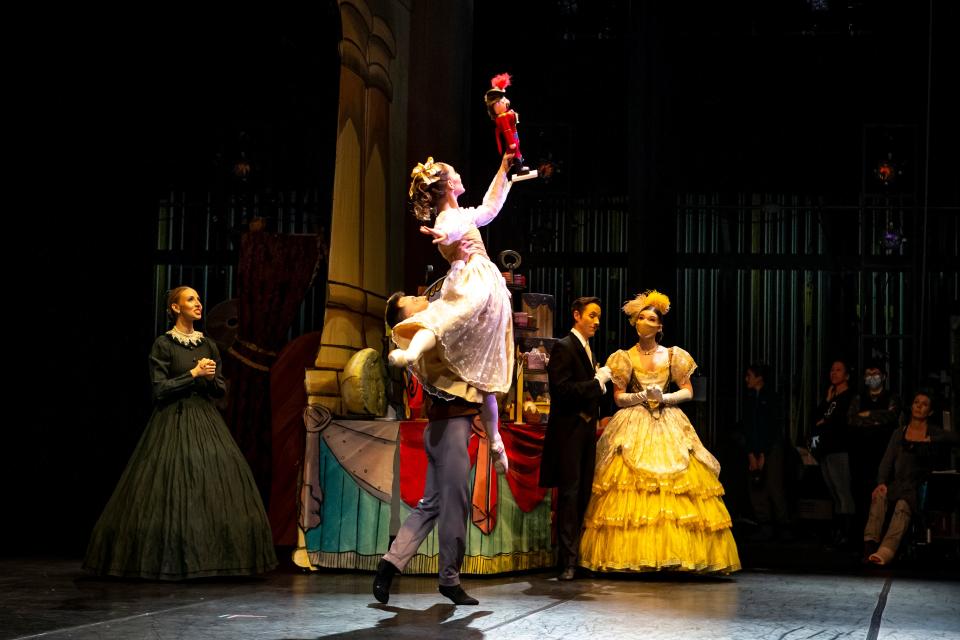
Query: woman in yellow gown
x,y
656,494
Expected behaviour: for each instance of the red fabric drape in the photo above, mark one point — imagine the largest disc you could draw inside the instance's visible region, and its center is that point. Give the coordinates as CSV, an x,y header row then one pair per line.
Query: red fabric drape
x,y
523,442
275,271
413,460
483,499
288,397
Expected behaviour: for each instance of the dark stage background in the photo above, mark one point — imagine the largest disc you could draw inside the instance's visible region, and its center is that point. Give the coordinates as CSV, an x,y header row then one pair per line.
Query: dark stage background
x,y
726,154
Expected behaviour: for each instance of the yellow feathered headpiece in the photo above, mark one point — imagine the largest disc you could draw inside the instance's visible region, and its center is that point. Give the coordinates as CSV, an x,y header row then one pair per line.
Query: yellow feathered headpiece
x,y
427,172
649,298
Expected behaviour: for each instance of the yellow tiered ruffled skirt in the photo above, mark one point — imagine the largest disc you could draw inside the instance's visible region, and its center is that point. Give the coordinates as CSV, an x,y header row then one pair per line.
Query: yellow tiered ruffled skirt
x,y
640,522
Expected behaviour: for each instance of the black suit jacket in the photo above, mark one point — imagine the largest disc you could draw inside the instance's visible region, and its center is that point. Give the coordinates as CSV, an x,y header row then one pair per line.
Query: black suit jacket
x,y
573,391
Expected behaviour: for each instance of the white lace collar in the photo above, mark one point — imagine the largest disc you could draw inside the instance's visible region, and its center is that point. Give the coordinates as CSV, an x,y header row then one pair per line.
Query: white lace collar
x,y
191,339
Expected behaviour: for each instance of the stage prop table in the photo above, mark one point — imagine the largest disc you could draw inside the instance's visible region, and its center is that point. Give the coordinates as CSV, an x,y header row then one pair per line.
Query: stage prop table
x,y
362,478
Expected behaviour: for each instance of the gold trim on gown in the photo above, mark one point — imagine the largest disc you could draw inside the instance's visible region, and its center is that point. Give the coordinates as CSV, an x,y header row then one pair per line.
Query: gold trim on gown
x,y
656,501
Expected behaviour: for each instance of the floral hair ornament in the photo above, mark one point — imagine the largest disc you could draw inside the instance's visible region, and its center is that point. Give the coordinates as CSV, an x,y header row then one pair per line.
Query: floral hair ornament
x,y
649,298
428,172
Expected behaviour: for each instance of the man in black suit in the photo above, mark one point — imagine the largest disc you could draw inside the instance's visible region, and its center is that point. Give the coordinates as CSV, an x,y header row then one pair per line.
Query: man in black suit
x,y
570,448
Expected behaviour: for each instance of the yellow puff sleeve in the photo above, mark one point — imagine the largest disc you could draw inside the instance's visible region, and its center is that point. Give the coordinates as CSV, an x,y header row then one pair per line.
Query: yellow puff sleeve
x,y
621,368
682,366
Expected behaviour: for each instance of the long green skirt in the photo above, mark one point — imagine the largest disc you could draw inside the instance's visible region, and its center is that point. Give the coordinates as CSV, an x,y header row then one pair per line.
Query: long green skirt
x,y
186,505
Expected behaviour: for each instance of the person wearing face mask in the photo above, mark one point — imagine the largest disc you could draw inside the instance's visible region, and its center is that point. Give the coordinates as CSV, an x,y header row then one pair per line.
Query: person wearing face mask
x,y
873,415
656,501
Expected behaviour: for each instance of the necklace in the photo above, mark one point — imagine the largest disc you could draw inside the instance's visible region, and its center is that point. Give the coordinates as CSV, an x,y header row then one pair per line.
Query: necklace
x,y
647,353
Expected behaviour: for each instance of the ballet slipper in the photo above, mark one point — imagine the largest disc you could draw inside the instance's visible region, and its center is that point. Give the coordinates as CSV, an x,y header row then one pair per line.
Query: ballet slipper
x,y
500,462
398,358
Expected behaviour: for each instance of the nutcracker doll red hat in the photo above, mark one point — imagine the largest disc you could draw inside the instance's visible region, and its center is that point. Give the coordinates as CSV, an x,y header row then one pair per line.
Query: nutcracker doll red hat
x,y
498,86
497,90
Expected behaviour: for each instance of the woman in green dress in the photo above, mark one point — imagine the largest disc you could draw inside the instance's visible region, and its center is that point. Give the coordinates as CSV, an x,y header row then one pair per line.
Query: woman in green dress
x,y
186,505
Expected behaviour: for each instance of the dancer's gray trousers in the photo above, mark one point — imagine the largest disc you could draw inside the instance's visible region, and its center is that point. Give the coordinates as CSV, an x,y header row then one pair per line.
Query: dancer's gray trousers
x,y
446,500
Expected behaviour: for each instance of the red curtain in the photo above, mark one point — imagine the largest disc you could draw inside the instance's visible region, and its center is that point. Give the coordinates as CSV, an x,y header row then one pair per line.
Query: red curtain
x,y
524,444
275,271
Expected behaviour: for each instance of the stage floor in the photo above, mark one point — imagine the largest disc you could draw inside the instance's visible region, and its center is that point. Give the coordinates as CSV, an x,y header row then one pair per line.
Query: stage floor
x,y
52,599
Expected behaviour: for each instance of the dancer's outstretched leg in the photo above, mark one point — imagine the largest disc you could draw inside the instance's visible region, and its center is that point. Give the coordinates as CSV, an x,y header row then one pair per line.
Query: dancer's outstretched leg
x,y
422,340
489,414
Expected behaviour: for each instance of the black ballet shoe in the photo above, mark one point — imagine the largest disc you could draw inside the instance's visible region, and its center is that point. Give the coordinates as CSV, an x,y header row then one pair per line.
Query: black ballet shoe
x,y
383,580
457,594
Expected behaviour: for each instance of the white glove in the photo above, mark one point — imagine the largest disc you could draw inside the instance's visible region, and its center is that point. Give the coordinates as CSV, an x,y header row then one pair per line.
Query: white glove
x,y
603,376
654,393
681,395
630,399
398,358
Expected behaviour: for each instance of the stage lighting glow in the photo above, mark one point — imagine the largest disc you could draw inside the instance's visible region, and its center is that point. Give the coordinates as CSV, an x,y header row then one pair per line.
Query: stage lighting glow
x,y
887,170
892,239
